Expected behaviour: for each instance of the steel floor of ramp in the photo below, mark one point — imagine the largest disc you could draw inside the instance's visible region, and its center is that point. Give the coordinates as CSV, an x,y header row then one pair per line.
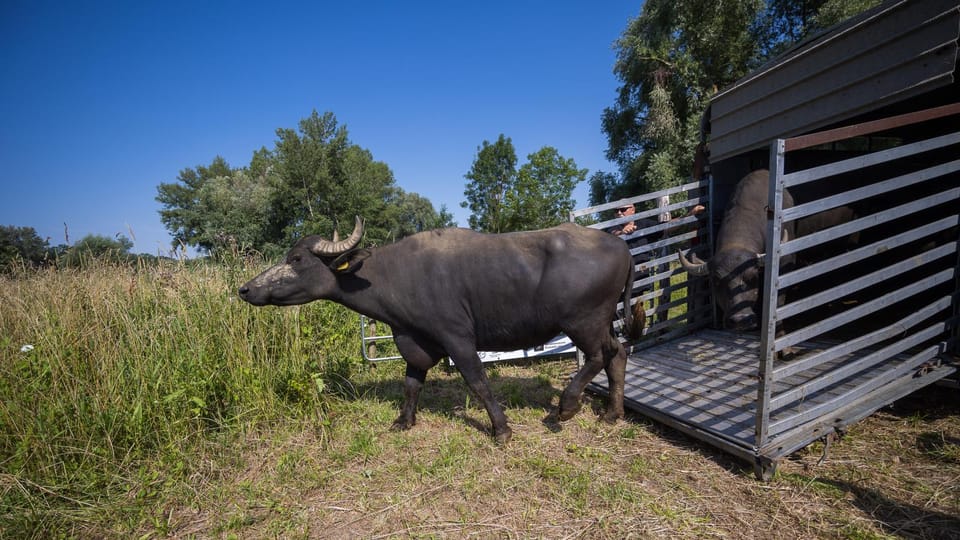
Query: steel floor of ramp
x,y
705,385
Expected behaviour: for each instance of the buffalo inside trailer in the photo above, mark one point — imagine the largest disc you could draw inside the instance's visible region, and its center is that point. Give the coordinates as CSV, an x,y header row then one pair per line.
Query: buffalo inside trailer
x,y
871,305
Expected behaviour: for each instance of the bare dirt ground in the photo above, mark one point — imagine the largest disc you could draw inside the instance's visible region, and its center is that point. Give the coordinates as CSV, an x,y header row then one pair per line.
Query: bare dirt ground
x,y
345,475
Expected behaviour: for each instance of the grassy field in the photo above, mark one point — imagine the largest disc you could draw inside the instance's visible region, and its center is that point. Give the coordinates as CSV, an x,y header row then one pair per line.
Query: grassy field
x,y
148,402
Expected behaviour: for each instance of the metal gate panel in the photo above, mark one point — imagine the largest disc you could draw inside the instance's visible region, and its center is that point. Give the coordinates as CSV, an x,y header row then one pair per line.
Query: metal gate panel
x,y
881,355
676,303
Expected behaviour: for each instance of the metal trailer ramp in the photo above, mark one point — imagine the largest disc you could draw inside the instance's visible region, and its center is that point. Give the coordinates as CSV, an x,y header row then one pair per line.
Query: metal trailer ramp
x,y
706,384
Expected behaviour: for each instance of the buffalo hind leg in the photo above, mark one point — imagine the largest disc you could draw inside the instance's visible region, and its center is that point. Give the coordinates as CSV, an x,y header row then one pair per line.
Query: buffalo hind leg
x,y
615,364
609,356
570,399
471,368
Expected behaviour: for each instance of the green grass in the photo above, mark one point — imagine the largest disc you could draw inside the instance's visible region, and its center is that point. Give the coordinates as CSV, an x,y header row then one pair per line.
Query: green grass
x,y
153,403
114,378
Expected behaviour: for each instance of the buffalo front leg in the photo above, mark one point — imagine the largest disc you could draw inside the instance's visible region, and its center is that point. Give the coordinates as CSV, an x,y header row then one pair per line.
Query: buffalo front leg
x,y
412,384
419,358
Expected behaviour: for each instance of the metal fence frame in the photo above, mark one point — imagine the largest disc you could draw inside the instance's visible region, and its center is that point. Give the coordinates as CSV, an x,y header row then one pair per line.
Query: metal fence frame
x,y
781,435
662,272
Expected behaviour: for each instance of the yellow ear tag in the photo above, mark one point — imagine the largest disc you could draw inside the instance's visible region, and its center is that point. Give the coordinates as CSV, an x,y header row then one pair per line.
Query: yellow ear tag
x,y
343,267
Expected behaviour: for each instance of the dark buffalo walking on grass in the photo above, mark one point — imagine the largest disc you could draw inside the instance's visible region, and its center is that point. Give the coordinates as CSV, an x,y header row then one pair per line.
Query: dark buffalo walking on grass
x,y
453,292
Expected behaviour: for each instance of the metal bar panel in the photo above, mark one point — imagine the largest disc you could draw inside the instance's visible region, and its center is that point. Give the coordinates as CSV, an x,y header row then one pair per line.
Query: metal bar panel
x,y
377,338
652,214
841,199
956,309
866,128
854,313
791,440
859,254
640,198
848,369
711,244
868,280
905,369
867,160
669,241
900,327
665,293
672,288
872,220
771,270
365,340
666,306
676,321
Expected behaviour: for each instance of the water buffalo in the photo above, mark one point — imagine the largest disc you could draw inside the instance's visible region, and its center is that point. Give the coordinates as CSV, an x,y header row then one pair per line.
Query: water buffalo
x,y
741,240
452,292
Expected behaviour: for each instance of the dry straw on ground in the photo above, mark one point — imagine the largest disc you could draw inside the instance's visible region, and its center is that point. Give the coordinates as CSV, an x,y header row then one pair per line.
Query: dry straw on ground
x,y
893,475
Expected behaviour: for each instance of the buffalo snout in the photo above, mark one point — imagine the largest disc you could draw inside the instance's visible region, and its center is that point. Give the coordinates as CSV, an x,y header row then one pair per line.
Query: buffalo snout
x,y
248,295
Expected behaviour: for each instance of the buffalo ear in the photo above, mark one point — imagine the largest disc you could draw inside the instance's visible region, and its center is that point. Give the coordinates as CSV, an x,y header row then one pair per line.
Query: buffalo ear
x,y
349,262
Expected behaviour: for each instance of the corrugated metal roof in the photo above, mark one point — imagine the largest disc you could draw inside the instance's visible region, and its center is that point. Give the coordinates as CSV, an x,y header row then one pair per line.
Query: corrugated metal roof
x,y
898,50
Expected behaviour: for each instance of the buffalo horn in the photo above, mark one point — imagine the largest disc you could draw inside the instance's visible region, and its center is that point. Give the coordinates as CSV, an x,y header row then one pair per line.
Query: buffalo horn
x,y
694,268
325,247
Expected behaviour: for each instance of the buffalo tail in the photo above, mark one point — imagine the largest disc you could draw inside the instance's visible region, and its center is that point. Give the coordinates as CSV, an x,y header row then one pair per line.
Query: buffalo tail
x,y
630,330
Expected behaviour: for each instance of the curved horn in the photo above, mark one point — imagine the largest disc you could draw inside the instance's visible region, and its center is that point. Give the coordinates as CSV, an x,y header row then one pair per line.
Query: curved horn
x,y
327,248
695,268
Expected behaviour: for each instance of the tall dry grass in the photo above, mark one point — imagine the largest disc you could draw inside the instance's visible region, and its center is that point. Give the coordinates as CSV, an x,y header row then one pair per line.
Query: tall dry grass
x,y
114,377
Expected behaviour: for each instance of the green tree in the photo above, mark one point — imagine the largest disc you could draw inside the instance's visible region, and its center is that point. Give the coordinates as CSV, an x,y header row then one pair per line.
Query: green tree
x,y
542,196
411,213
183,213
98,247
502,198
785,22
235,209
21,244
314,181
491,177
324,180
672,58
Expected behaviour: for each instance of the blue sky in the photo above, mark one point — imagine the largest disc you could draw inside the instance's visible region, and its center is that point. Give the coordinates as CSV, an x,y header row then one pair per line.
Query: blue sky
x,y
100,102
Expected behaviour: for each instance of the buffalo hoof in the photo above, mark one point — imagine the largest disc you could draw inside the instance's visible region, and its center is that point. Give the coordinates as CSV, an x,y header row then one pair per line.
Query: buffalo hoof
x,y
611,417
567,413
503,437
401,424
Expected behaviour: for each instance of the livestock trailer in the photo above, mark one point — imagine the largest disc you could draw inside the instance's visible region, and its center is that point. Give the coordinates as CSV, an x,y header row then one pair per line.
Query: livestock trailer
x,y
864,117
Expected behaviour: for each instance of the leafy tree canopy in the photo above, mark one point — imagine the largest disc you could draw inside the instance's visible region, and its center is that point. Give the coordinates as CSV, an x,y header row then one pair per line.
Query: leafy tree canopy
x,y
672,58
23,245
100,248
314,181
502,198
